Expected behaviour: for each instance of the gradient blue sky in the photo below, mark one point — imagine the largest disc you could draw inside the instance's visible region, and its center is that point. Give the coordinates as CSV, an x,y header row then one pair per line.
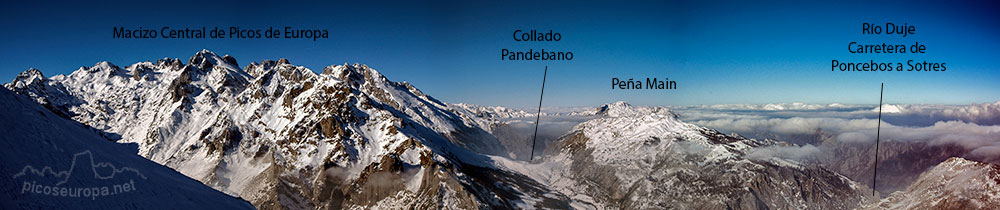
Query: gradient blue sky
x,y
718,52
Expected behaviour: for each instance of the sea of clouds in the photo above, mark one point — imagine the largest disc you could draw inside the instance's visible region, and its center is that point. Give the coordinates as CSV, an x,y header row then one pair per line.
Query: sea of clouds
x,y
975,127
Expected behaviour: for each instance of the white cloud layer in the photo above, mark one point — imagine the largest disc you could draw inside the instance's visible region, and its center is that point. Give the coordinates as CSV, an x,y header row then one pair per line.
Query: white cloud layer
x,y
975,127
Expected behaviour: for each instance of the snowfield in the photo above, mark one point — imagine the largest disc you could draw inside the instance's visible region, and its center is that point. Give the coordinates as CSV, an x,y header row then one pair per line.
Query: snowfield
x,y
44,153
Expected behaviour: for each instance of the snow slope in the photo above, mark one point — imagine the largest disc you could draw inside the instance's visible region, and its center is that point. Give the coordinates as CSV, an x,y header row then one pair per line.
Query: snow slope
x,y
41,150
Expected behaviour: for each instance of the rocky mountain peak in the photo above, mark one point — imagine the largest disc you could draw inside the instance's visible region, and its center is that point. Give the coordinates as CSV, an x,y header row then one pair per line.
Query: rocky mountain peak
x,y
206,60
616,106
103,69
624,109
616,109
231,60
103,66
262,68
31,72
354,74
28,77
169,63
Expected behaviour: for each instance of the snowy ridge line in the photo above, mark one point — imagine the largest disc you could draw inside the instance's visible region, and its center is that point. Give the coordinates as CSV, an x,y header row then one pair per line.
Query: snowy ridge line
x,y
68,173
251,131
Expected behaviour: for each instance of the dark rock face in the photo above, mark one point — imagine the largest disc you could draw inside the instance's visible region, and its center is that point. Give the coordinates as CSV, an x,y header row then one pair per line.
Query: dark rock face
x,y
201,60
231,60
900,163
956,183
179,87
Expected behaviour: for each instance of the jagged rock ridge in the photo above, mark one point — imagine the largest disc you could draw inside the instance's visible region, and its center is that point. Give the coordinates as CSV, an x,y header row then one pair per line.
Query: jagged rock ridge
x,y
282,136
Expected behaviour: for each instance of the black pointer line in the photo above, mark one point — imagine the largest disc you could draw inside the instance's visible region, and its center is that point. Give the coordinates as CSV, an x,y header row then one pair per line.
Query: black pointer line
x,y
877,133
538,115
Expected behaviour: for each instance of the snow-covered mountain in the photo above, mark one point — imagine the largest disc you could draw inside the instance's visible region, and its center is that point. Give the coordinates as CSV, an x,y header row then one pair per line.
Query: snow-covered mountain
x,y
283,136
485,115
953,184
49,162
644,158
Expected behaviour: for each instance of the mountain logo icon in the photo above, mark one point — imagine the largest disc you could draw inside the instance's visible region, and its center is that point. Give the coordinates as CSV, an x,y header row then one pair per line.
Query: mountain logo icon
x,y
82,162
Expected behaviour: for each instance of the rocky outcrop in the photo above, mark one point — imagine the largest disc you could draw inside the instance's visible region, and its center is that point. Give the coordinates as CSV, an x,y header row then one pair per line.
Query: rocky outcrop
x,y
953,184
900,163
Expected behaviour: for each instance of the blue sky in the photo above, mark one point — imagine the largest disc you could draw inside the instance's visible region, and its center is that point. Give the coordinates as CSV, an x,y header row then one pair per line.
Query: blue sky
x,y
718,52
